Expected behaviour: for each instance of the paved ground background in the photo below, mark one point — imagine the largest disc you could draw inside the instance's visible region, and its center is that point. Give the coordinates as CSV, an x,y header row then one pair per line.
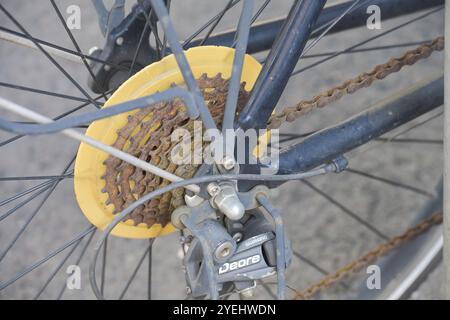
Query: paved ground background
x,y
318,230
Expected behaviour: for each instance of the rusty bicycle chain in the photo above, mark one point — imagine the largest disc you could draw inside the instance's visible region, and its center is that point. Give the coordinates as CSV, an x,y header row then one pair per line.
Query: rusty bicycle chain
x,y
351,86
370,257
125,183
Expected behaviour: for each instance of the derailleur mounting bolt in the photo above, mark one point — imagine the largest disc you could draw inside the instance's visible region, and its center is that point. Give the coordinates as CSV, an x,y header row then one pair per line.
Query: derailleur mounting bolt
x,y
213,189
224,250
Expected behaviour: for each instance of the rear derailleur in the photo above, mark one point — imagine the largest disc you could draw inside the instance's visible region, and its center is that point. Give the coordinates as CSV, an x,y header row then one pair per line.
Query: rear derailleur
x,y
230,243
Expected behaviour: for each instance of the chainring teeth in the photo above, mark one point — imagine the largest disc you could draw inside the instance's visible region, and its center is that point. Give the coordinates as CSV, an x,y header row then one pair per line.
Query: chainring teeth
x,y
146,135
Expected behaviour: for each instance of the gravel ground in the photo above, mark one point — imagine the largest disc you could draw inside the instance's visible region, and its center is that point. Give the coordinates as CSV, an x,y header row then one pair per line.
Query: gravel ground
x,y
318,230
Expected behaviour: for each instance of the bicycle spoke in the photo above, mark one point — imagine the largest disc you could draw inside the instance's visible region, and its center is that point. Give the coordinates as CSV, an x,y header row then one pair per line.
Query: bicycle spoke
x,y
35,178
136,269
141,40
346,210
183,64
314,265
149,271
104,261
75,44
49,57
315,64
25,192
391,182
206,25
15,138
310,263
386,140
43,92
78,261
216,22
375,48
47,258
54,49
55,272
23,203
255,17
35,212
260,11
331,24
294,136
34,188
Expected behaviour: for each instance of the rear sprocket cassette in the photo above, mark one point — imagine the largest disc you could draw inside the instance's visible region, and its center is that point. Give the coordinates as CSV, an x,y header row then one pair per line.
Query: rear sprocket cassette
x,y
105,185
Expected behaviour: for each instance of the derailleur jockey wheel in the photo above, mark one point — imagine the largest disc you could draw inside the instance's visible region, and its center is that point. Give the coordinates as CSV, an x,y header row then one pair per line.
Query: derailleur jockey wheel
x,y
105,185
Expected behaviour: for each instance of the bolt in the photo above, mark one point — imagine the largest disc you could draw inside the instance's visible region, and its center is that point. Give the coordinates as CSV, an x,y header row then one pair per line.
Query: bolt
x,y
224,250
119,41
213,189
228,163
237,236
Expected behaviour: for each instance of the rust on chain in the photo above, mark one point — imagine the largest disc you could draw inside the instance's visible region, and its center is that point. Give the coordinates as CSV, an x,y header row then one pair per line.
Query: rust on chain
x,y
147,136
363,80
370,257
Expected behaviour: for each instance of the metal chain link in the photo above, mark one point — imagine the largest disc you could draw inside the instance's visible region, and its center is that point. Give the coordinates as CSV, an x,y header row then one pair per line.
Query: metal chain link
x,y
363,80
370,257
